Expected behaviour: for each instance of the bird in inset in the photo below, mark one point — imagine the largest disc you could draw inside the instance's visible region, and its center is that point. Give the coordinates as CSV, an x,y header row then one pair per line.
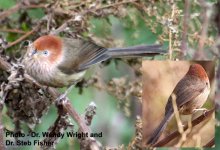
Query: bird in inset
x,y
190,93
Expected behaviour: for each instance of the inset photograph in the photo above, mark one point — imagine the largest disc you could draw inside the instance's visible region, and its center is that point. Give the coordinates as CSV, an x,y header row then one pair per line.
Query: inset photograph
x,y
178,103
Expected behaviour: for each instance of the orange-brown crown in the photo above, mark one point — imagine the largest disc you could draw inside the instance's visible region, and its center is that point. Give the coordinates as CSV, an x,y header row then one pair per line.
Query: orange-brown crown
x,y
197,70
50,43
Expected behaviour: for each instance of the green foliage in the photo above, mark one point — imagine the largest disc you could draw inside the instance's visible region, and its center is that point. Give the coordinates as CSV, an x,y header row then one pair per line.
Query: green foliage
x,y
101,27
135,30
217,137
35,13
5,4
217,131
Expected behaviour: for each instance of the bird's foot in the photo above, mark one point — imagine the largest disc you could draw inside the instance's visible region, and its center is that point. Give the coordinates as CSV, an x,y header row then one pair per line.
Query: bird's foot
x,y
62,97
204,110
182,125
59,100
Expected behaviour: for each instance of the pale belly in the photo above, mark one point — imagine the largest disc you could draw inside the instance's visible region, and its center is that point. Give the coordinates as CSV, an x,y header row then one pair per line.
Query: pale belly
x,y
198,102
66,80
49,75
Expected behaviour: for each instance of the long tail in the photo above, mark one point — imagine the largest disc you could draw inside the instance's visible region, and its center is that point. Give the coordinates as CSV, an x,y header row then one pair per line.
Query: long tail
x,y
136,51
157,132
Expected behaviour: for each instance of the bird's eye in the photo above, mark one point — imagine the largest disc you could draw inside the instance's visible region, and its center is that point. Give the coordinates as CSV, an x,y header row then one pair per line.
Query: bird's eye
x,y
45,52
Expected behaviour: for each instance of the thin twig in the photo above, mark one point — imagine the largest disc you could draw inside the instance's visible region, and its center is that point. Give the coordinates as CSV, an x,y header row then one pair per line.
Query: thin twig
x,y
72,112
2,147
13,31
200,53
170,34
90,113
185,28
60,28
4,65
23,37
17,7
10,11
65,24
115,4
179,122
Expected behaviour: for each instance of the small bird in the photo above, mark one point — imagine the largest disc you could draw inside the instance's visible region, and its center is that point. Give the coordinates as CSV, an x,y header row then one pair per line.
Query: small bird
x,y
60,62
191,92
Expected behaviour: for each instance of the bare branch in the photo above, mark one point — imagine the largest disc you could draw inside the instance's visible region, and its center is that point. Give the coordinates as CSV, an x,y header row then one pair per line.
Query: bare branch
x,y
13,31
10,11
4,65
203,35
23,37
72,112
61,124
210,143
54,93
17,7
2,145
176,133
185,28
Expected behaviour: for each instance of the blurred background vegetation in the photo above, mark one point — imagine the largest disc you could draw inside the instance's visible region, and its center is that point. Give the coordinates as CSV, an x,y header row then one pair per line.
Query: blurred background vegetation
x,y
113,23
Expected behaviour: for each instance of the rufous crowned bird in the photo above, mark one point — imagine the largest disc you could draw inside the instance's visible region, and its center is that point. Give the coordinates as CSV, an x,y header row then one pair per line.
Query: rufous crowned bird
x,y
58,61
190,93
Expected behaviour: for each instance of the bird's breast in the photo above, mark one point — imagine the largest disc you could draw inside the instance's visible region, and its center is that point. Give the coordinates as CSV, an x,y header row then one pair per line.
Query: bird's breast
x,y
68,79
196,103
49,74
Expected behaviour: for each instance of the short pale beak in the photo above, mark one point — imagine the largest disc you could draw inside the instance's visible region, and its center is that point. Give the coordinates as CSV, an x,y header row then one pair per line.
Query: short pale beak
x,y
33,52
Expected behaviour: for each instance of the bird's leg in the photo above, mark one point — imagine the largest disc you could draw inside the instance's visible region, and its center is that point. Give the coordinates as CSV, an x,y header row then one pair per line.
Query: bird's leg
x,y
201,109
185,119
62,96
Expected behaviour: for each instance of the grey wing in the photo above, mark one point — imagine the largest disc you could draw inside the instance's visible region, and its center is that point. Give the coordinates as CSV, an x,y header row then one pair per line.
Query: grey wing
x,y
81,55
184,92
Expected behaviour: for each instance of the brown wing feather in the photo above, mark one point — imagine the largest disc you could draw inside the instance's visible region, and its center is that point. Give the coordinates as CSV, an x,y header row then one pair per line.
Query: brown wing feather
x,y
183,89
80,53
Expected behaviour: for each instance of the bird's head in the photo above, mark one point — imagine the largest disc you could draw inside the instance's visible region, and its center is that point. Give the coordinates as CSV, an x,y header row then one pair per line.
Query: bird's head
x,y
198,71
46,48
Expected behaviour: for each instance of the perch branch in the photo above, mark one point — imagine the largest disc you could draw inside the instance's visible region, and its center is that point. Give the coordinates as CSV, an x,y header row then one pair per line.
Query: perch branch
x,y
64,107
176,133
72,112
210,143
54,93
